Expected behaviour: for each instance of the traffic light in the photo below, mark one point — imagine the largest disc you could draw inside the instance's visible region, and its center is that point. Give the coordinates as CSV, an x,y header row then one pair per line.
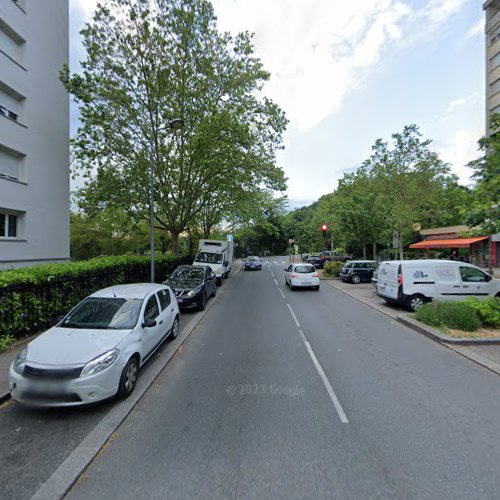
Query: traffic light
x,y
324,228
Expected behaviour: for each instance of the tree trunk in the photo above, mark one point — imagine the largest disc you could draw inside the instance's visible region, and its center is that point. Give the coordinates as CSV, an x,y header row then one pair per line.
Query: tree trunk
x,y
175,241
364,251
374,247
401,256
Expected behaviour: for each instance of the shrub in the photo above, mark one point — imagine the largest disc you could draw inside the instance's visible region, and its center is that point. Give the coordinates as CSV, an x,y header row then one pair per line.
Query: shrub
x,y
5,342
332,269
457,315
32,298
429,315
488,310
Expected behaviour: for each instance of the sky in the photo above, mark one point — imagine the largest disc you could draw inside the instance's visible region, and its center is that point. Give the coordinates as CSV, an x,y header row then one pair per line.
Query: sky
x,y
349,72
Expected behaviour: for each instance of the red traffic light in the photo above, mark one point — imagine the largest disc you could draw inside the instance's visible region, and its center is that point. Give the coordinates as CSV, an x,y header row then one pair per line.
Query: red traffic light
x,y
324,227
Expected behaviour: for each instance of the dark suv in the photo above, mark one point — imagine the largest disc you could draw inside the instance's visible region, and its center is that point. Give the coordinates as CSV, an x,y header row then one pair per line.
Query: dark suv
x,y
328,256
316,261
357,271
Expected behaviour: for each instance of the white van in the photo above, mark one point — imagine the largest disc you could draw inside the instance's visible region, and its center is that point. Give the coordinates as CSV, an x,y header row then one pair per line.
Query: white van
x,y
413,282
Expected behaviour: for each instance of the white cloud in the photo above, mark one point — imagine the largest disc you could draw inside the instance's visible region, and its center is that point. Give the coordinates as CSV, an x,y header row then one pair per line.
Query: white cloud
x,y
459,150
476,29
462,101
316,51
438,11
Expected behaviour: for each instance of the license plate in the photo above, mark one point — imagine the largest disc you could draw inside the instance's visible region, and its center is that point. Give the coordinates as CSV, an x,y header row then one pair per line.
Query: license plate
x,y
48,389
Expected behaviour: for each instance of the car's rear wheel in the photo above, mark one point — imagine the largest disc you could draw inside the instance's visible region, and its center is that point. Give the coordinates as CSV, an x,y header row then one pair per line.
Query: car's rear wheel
x,y
128,378
355,279
316,287
291,286
416,302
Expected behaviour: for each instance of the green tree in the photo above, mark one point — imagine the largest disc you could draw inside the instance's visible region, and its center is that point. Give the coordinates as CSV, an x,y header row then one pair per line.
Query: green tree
x,y
146,63
484,210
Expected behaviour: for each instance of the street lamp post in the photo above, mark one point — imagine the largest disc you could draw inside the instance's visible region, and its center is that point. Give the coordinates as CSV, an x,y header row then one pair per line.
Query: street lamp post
x,y
175,124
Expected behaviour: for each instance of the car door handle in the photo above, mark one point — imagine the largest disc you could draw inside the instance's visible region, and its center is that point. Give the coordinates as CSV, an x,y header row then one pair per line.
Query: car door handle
x,y
466,286
456,286
161,322
172,310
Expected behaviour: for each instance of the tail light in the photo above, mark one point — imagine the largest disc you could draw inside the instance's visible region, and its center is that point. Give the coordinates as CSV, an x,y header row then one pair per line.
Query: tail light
x,y
295,275
400,280
315,275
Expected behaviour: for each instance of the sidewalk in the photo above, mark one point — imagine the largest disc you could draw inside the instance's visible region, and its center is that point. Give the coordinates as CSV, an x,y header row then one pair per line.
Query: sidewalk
x,y
485,355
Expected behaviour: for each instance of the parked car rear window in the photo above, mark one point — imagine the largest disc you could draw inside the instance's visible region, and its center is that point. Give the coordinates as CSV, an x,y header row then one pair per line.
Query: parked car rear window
x,y
304,269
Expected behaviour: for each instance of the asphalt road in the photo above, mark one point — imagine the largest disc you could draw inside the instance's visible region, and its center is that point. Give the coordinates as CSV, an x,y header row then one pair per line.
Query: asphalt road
x,y
33,443
305,394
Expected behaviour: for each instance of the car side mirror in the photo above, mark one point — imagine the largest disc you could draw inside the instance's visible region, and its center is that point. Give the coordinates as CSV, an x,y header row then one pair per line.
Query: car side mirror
x,y
149,323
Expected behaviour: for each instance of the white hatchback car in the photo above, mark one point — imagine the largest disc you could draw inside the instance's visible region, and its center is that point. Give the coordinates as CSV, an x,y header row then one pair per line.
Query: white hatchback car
x,y
301,275
96,351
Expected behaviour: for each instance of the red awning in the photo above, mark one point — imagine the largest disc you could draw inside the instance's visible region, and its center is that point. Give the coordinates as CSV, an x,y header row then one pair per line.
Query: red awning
x,y
450,243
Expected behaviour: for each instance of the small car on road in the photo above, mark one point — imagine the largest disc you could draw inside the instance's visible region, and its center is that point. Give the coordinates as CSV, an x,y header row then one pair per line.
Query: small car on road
x,y
357,271
193,285
253,263
301,276
96,351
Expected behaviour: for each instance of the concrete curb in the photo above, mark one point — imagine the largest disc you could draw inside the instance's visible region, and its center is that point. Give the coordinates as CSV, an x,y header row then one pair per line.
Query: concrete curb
x,y
66,475
439,337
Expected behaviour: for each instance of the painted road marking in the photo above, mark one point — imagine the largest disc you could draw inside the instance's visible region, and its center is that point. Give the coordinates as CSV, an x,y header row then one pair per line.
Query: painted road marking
x,y
329,388
293,316
319,369
281,291
276,282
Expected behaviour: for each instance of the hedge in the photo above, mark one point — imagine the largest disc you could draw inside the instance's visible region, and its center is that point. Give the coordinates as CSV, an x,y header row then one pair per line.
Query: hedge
x,y
31,299
333,268
457,315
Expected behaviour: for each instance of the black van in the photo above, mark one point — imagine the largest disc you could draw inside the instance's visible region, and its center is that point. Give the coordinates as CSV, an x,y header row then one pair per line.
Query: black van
x,y
357,271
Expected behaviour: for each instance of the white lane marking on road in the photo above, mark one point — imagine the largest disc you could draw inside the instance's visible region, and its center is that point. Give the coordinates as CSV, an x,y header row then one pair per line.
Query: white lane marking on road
x,y
281,291
276,282
329,388
293,315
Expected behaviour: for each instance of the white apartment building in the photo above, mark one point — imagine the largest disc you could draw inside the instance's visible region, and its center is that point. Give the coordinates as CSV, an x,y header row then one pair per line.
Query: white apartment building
x,y
34,133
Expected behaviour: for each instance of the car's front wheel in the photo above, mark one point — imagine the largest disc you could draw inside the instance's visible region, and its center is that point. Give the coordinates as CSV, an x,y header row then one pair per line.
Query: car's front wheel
x,y
175,329
128,378
355,279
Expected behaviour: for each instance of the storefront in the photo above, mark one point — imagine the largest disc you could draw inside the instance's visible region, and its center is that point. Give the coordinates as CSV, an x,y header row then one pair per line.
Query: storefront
x,y
454,243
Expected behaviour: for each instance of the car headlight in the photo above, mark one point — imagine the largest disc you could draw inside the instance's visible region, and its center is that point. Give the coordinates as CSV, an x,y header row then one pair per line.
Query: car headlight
x,y
100,363
194,292
18,364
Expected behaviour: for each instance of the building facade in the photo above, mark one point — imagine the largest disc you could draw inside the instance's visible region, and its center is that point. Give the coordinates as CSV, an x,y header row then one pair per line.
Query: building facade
x,y
34,132
492,40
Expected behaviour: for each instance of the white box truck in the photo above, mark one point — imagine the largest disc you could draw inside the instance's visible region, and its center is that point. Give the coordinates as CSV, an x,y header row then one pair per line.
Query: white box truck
x,y
218,254
412,283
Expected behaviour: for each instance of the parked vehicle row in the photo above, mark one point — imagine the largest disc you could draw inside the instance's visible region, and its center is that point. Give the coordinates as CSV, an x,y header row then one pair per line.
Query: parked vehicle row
x,y
218,254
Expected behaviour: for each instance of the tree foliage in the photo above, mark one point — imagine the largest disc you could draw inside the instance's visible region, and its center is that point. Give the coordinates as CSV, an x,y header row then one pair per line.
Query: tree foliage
x,y
147,63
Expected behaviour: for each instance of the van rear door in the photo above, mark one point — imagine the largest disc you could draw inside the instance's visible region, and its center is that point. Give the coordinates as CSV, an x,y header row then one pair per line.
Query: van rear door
x,y
388,285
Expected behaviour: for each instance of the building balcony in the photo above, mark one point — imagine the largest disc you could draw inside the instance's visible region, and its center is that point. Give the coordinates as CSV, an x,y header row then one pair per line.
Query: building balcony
x,y
13,76
13,134
14,19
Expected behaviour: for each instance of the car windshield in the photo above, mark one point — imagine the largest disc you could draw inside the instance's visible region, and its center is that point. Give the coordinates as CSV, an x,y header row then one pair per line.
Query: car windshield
x,y
348,266
104,313
187,275
304,269
253,258
208,258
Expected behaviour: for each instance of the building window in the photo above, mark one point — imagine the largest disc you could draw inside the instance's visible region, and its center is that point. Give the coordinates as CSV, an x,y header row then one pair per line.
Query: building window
x,y
8,225
495,87
495,61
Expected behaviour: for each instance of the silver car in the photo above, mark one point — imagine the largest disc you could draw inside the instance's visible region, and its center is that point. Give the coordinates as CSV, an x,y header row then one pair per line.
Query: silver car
x,y
301,276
